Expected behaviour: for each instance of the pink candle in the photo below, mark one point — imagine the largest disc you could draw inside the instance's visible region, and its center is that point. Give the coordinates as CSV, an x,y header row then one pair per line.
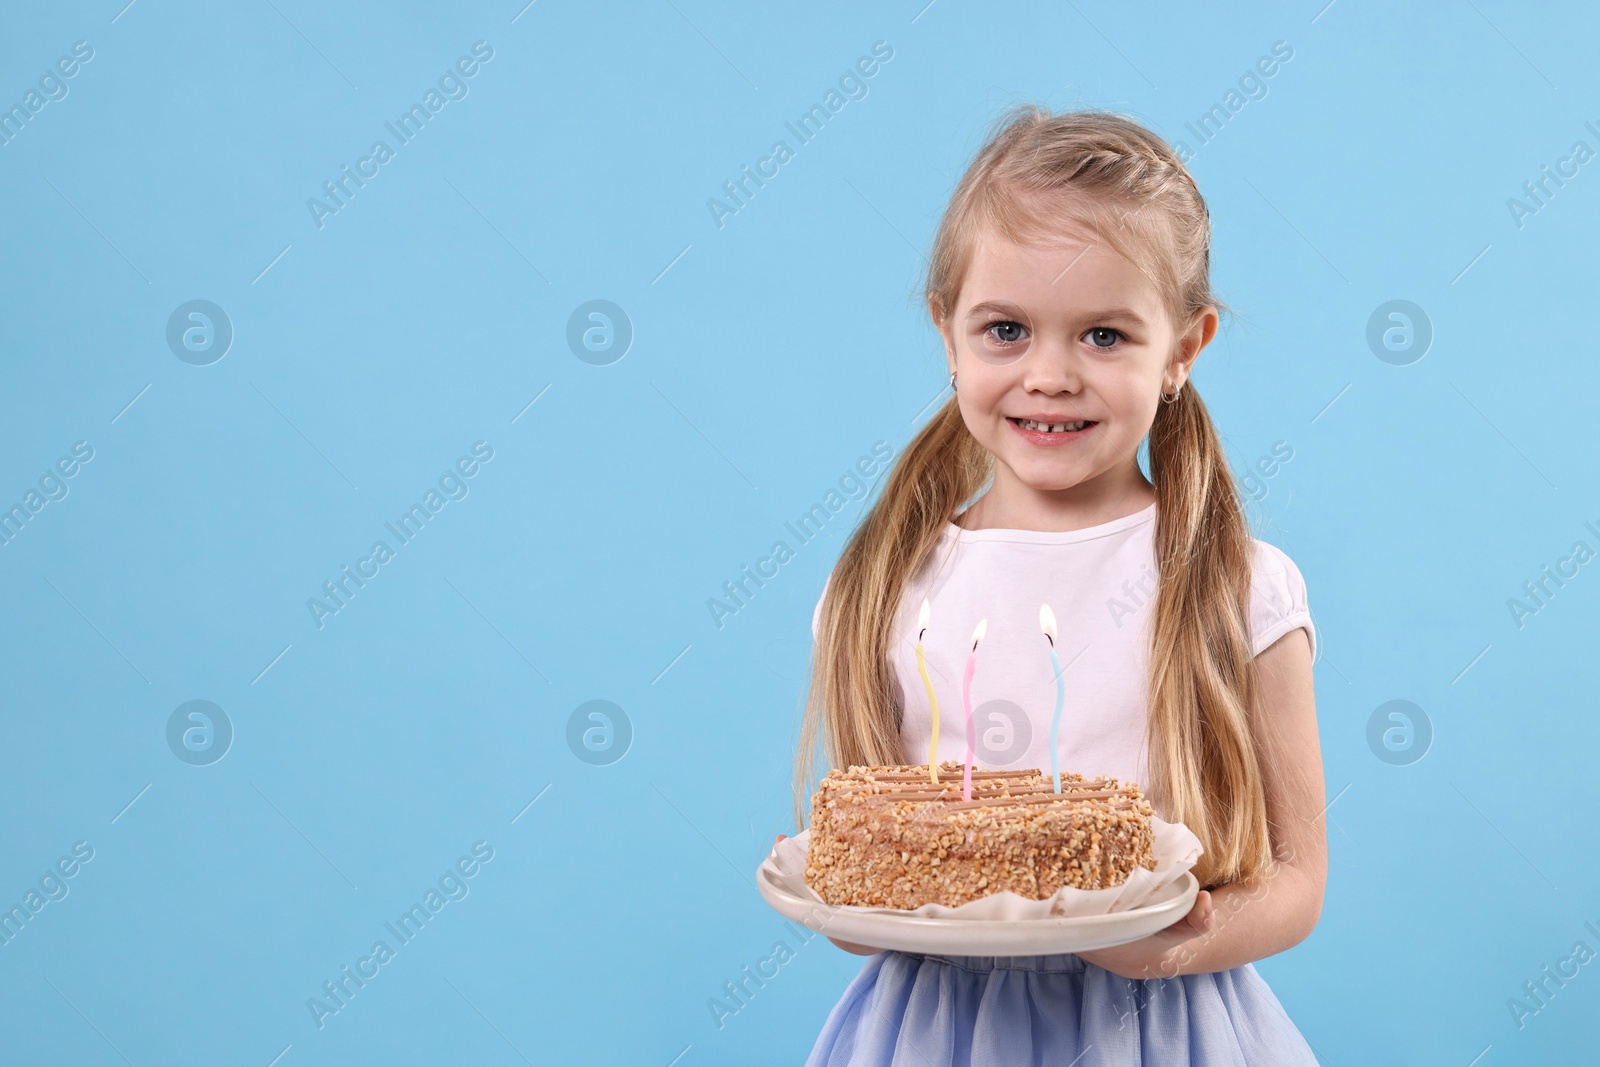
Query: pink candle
x,y
966,700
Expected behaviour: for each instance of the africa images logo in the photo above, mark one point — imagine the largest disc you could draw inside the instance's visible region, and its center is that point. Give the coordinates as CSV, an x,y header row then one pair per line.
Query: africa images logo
x,y
452,484
452,85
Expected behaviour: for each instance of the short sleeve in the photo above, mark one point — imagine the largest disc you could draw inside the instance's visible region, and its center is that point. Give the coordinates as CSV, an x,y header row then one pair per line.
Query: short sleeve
x,y
1277,600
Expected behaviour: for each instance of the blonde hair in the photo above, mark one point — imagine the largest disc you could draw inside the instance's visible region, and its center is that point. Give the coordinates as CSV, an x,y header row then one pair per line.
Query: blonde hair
x,y
1037,174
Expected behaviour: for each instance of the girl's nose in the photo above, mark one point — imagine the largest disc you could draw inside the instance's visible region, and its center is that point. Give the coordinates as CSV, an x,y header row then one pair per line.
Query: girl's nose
x,y
1052,365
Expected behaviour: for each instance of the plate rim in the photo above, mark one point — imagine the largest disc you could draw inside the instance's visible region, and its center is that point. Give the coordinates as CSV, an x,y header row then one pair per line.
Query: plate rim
x,y
920,933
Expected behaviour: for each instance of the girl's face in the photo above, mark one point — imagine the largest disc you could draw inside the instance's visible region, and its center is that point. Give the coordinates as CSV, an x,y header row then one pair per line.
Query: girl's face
x,y
1061,354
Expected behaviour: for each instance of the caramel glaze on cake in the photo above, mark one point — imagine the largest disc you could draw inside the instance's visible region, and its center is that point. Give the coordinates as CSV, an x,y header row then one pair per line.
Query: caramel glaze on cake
x,y
888,837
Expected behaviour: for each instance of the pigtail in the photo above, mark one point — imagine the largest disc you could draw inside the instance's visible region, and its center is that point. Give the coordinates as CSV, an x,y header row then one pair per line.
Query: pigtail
x,y
850,703
1202,751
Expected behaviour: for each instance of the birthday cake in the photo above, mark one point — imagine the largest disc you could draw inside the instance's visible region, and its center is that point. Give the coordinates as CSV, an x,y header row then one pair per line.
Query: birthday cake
x,y
889,837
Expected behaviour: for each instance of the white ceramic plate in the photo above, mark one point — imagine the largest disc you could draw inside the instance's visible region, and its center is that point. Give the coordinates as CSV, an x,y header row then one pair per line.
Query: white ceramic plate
x,y
879,928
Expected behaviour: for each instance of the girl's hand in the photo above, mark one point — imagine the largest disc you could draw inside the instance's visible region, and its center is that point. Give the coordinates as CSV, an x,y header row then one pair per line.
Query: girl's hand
x,y
1149,957
848,946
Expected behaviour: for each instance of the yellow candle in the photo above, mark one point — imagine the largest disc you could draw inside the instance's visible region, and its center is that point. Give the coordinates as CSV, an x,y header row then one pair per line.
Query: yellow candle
x,y
933,701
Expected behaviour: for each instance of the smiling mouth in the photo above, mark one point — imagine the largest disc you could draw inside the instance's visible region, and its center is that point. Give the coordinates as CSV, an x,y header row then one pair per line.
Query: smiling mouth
x,y
1057,427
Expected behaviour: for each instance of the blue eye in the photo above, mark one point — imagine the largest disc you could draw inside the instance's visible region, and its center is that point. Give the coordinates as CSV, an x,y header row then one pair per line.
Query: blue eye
x,y
1009,332
1099,333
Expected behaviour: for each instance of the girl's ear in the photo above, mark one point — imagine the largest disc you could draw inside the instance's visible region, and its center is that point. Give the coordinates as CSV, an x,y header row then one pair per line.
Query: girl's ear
x,y
944,335
1202,328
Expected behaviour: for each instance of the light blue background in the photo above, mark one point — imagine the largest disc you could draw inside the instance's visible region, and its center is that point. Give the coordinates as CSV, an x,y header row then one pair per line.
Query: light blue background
x,y
769,355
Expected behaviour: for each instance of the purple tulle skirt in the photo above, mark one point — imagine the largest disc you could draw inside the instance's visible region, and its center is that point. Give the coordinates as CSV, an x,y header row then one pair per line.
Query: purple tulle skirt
x,y
914,1010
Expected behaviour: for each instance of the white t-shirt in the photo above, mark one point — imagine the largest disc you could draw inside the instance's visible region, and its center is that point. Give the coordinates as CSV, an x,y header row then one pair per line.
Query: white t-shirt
x,y
1099,583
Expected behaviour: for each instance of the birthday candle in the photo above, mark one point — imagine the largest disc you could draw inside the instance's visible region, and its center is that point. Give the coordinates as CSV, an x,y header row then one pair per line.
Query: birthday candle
x,y
966,699
933,701
1047,623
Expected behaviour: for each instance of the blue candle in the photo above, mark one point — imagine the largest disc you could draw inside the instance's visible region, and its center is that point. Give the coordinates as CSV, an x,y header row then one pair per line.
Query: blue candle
x,y
1047,623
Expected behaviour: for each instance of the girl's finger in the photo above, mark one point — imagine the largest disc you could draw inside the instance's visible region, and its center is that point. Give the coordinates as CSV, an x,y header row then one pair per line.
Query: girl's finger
x,y
1195,920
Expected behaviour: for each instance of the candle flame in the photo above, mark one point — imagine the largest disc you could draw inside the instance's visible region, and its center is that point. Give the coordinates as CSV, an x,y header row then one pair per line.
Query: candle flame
x,y
977,635
922,619
1047,622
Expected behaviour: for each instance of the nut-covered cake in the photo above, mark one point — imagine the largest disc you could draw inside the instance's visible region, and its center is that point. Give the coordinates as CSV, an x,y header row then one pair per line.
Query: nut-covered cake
x,y
888,837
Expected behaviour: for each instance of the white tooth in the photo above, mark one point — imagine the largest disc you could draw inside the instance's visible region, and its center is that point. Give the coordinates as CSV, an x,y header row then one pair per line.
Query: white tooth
x,y
1058,427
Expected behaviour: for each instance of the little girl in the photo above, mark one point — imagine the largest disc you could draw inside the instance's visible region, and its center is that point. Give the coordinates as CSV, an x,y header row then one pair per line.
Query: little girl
x,y
1070,282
